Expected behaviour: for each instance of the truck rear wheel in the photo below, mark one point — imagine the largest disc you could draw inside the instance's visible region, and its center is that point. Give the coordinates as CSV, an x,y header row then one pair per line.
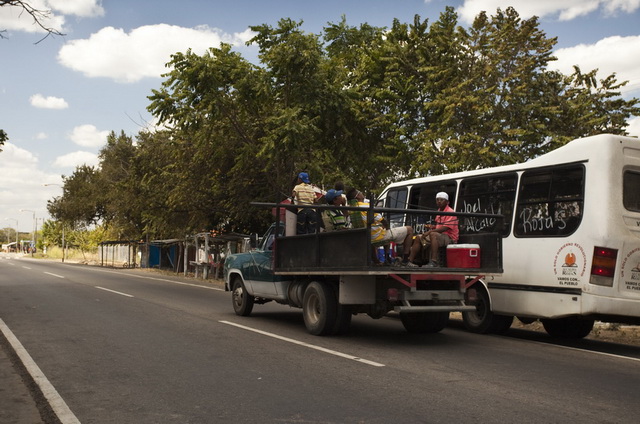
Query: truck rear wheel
x,y
424,322
319,308
242,301
482,320
343,320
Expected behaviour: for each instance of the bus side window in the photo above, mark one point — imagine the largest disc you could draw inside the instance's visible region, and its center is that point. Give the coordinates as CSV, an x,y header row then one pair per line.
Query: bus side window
x,y
396,199
550,202
423,197
494,194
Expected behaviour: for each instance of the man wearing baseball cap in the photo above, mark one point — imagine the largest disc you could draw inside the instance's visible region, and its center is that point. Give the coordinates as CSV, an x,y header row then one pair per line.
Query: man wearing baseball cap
x,y
304,194
443,233
334,219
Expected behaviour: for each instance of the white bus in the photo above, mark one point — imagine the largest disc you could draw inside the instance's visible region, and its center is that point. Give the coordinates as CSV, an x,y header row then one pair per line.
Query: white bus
x,y
571,236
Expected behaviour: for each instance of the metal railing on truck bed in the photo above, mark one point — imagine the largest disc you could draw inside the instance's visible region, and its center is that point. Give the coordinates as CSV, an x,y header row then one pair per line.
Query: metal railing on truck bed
x,y
350,250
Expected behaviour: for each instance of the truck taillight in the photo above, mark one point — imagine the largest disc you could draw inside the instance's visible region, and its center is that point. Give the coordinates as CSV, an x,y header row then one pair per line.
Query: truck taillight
x,y
603,266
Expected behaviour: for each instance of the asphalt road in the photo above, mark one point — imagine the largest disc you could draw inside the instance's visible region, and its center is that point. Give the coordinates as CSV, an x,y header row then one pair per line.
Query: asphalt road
x,y
128,346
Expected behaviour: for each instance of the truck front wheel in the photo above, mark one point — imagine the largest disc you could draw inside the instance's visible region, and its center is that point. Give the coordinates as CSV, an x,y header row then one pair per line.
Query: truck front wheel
x,y
242,301
319,308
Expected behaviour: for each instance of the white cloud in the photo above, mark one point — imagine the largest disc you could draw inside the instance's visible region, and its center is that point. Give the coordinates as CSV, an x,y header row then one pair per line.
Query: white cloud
x,y
609,55
21,187
42,136
72,160
141,53
634,127
50,102
82,8
14,158
565,10
88,136
15,18
51,13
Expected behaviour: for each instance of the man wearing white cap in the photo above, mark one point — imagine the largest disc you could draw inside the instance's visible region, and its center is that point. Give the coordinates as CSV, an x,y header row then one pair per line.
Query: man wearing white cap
x,y
443,233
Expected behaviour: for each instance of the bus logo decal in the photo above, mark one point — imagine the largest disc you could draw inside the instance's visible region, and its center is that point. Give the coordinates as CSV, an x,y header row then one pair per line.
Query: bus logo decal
x,y
569,264
632,261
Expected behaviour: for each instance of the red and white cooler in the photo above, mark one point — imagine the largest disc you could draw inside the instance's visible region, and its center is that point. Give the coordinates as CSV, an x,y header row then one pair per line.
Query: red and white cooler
x,y
463,256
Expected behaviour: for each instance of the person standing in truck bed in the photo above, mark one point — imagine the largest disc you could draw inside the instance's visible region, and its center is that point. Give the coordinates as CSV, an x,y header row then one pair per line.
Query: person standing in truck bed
x,y
304,194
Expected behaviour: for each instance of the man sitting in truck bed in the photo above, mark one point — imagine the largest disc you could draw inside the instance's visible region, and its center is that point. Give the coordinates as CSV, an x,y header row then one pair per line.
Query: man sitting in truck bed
x,y
334,219
442,234
380,234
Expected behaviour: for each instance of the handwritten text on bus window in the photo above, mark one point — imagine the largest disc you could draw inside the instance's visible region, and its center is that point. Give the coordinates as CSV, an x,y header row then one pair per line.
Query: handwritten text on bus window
x,y
477,224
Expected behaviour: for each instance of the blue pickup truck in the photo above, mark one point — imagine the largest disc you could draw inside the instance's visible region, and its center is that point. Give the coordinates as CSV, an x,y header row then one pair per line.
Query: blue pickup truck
x,y
331,277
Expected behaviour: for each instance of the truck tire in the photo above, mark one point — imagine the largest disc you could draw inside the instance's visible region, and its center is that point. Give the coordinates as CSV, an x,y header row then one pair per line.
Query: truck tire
x,y
568,328
241,299
424,322
343,320
482,320
319,308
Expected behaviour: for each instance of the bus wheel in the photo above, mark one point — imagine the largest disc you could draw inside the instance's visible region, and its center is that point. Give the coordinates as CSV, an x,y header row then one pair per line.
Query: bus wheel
x,y
482,320
319,308
568,328
242,301
424,322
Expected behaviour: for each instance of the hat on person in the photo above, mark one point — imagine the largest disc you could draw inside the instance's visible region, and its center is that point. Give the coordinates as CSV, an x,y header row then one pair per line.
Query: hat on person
x,y
304,177
442,195
332,194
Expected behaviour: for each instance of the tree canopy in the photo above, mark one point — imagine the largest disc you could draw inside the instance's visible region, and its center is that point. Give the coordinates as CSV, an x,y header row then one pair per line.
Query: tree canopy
x,y
365,105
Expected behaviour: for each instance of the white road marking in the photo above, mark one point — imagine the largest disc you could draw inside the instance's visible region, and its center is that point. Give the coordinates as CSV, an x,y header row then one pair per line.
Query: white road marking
x,y
55,275
113,291
50,393
25,267
321,349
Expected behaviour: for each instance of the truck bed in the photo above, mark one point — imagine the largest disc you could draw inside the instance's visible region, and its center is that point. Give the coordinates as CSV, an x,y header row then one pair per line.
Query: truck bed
x,y
348,252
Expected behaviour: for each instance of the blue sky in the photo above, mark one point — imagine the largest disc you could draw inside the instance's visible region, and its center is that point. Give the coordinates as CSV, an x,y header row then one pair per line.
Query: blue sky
x,y
59,98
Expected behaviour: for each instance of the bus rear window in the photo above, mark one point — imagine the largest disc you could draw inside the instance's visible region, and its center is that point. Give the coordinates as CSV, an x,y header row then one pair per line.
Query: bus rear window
x,y
631,191
550,202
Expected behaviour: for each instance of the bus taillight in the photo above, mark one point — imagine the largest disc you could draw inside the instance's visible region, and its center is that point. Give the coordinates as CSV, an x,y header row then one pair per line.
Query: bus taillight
x,y
603,266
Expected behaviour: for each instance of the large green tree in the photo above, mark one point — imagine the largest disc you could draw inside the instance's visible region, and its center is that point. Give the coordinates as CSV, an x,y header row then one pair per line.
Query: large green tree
x,y
365,105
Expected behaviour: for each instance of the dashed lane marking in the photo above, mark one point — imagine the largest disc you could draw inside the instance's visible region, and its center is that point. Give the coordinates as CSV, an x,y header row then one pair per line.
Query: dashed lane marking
x,y
113,291
310,346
